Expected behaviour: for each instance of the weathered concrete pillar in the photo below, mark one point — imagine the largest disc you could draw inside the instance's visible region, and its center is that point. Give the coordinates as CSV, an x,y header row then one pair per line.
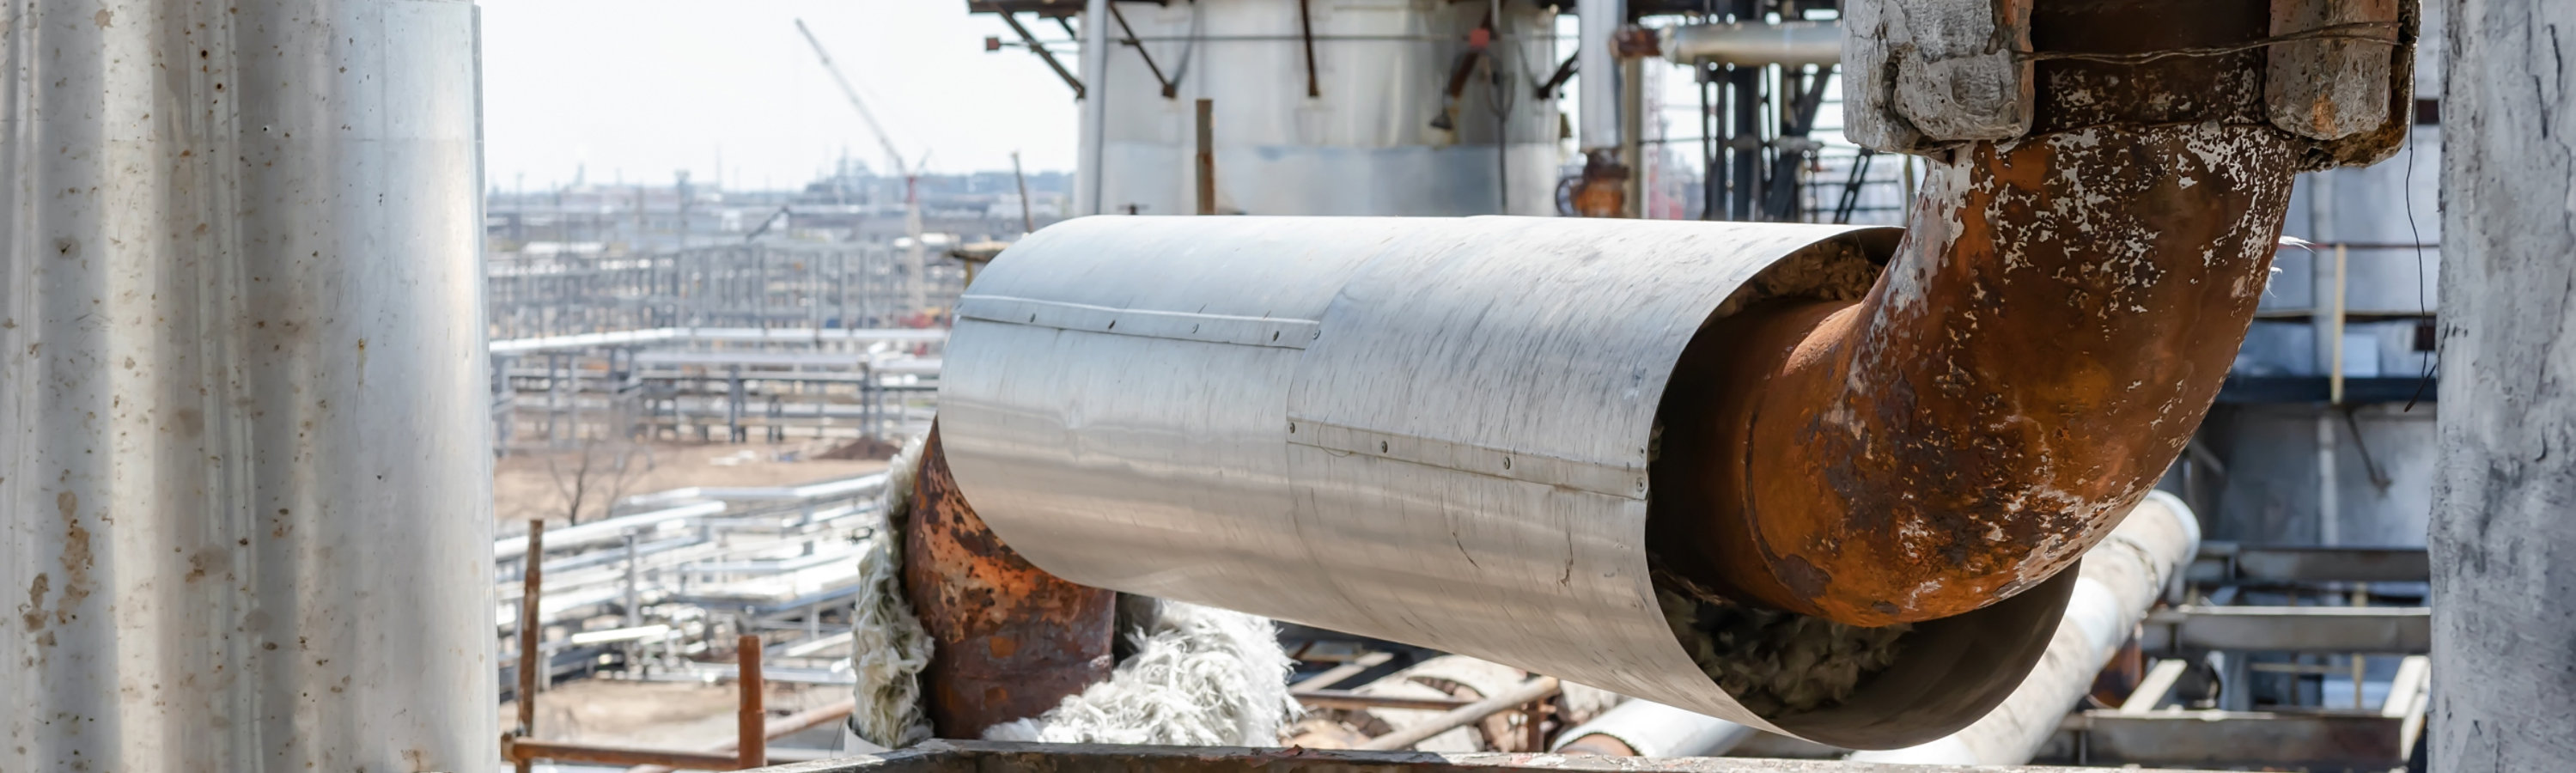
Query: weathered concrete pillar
x,y
2503,541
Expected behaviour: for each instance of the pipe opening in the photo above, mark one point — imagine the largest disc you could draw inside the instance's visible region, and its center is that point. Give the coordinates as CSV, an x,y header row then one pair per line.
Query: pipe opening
x,y
1832,682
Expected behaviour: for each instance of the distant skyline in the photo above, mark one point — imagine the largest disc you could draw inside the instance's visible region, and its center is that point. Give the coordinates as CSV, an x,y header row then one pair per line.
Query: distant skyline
x,y
636,89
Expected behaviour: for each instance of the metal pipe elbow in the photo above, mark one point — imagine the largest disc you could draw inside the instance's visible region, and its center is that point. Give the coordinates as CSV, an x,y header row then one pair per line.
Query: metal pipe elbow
x,y
2086,255
2058,318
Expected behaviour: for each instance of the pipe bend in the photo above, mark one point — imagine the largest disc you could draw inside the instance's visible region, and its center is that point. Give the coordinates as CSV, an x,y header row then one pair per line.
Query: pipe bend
x,y
2056,321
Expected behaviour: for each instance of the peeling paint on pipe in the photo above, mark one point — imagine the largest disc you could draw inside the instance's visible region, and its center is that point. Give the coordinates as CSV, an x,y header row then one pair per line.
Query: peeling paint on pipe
x,y
1009,640
2056,322
2120,580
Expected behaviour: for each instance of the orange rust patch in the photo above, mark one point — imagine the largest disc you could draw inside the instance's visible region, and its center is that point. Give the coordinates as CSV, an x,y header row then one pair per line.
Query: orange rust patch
x,y
1041,638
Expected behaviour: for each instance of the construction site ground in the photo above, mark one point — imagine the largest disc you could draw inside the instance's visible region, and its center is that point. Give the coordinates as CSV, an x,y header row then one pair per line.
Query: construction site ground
x,y
661,715
532,484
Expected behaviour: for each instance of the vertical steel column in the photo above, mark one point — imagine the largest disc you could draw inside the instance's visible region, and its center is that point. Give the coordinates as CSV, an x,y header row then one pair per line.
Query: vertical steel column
x,y
1091,171
245,468
734,405
1605,189
1632,135
1597,61
632,591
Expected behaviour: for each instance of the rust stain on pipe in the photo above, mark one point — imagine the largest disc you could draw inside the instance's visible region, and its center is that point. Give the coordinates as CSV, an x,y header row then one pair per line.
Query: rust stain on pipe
x,y
1010,640
2058,318
1602,191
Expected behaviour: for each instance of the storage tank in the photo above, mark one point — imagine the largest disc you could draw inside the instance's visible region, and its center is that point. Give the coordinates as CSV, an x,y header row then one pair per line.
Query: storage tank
x,y
1321,108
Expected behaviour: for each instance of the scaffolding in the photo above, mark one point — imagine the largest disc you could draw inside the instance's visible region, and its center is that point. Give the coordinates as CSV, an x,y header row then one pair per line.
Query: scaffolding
x,y
712,343
553,289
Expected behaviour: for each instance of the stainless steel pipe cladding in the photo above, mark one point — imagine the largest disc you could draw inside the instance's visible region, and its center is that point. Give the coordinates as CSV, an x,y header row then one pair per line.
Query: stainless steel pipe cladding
x,y
245,451
1433,431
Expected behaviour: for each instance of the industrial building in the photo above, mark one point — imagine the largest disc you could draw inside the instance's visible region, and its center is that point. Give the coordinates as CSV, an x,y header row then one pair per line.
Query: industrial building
x,y
1640,385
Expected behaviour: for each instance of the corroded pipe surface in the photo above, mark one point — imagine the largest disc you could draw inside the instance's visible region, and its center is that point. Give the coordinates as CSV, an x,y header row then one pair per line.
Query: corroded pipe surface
x,y
1010,640
2056,322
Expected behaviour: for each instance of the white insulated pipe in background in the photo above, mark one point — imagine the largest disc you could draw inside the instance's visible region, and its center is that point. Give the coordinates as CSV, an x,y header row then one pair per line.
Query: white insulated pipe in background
x,y
1750,44
1656,730
1596,59
2121,578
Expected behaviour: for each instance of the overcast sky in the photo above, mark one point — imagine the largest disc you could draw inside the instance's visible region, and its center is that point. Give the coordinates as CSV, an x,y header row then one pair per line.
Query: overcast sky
x,y
640,88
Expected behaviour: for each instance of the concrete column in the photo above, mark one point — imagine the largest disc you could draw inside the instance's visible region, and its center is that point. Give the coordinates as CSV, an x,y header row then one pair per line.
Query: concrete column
x,y
2502,538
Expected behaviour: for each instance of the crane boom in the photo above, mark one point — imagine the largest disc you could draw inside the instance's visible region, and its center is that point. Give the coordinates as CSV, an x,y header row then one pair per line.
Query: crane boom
x,y
916,283
900,169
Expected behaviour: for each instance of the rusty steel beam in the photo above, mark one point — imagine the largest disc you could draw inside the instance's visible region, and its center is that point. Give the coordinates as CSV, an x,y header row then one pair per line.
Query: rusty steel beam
x,y
777,728
523,750
1035,47
751,716
1010,640
2058,318
533,663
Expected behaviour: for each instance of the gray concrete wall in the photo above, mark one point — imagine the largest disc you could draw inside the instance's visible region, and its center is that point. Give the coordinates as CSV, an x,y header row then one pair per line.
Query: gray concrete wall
x,y
2503,535
2270,496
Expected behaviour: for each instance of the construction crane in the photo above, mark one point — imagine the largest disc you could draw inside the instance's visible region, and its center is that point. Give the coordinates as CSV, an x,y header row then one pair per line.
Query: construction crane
x,y
913,261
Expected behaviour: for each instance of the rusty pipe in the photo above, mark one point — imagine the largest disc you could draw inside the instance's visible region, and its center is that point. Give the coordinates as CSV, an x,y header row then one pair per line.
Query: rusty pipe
x,y
2055,323
751,715
1009,640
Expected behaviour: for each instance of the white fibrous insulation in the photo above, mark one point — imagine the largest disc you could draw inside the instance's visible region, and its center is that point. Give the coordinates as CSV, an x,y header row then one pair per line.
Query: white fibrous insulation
x,y
1772,661
1200,676
888,648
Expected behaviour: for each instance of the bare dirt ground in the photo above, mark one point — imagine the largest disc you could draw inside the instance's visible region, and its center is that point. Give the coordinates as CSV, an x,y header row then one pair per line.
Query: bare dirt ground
x,y
655,715
528,485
